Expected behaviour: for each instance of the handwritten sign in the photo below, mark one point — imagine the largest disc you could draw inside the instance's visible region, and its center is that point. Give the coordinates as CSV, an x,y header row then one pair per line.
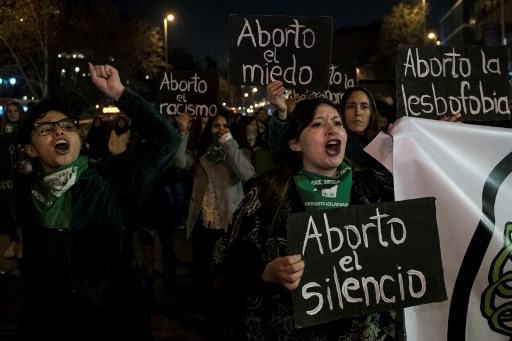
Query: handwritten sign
x,y
341,77
294,50
363,259
434,81
194,92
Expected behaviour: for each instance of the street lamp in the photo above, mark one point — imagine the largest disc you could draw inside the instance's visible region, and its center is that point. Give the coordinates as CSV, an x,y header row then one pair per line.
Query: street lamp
x,y
169,17
432,36
424,5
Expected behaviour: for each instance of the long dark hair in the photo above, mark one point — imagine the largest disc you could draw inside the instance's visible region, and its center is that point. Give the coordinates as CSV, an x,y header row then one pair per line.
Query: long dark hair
x,y
5,119
206,136
373,126
279,179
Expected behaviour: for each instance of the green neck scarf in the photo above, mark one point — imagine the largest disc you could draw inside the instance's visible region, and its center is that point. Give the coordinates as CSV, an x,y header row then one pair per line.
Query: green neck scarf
x,y
51,197
215,150
319,192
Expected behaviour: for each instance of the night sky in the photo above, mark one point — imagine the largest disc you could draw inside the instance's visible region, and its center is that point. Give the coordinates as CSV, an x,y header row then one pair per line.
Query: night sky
x,y
201,26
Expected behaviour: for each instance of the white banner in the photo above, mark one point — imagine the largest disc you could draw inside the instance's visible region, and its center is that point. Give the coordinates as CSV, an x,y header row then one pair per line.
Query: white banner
x,y
467,169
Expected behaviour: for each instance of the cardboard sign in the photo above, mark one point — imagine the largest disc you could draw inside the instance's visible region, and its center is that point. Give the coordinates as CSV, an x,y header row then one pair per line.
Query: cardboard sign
x,y
363,259
433,81
341,77
294,50
182,91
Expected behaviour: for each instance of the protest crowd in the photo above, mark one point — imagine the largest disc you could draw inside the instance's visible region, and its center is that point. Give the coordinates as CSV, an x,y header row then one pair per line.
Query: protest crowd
x,y
293,227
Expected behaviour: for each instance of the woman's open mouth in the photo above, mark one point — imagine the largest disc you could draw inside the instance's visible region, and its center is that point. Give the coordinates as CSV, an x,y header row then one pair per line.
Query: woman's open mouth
x,y
61,146
333,148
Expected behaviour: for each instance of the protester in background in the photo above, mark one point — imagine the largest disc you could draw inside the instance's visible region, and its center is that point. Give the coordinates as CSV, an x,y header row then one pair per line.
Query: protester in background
x,y
262,119
361,118
11,121
197,125
220,170
253,261
253,143
80,276
383,123
97,139
120,135
12,118
386,108
162,212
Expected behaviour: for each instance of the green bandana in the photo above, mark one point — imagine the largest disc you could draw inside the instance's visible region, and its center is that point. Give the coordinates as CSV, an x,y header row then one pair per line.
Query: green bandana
x,y
319,192
51,197
214,150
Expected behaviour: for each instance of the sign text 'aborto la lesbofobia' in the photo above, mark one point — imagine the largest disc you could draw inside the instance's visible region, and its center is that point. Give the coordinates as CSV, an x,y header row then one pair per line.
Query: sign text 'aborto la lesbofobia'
x,y
433,81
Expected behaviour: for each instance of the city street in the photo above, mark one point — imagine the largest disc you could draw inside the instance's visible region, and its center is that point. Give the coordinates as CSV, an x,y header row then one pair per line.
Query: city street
x,y
174,317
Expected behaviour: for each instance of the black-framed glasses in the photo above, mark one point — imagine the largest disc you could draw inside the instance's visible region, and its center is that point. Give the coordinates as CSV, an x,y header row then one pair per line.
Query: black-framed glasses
x,y
48,128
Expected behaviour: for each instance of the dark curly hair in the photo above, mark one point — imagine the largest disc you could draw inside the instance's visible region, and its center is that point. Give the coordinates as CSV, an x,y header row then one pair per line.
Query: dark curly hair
x,y
39,110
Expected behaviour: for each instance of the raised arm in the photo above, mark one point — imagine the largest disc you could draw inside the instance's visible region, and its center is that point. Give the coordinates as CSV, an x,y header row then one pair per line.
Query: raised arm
x,y
134,173
276,97
107,80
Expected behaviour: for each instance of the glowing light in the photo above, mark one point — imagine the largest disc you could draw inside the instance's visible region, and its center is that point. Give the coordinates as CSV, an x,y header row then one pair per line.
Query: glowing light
x,y
111,110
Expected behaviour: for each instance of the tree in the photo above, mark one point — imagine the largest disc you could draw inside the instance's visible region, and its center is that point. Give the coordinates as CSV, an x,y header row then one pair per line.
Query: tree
x,y
405,25
104,35
34,38
28,29
181,60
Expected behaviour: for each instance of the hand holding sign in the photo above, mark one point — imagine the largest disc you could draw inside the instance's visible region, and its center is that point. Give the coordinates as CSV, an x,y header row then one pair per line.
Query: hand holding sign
x,y
276,97
292,100
452,118
183,120
286,271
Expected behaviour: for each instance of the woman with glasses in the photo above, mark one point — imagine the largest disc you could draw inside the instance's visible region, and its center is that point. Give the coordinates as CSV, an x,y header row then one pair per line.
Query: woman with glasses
x,y
80,281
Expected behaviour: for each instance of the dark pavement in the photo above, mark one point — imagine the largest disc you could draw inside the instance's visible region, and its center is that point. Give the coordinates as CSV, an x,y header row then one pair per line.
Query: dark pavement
x,y
175,316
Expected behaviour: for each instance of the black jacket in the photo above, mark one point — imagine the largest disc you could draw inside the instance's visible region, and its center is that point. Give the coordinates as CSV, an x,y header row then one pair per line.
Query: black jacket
x,y
81,282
